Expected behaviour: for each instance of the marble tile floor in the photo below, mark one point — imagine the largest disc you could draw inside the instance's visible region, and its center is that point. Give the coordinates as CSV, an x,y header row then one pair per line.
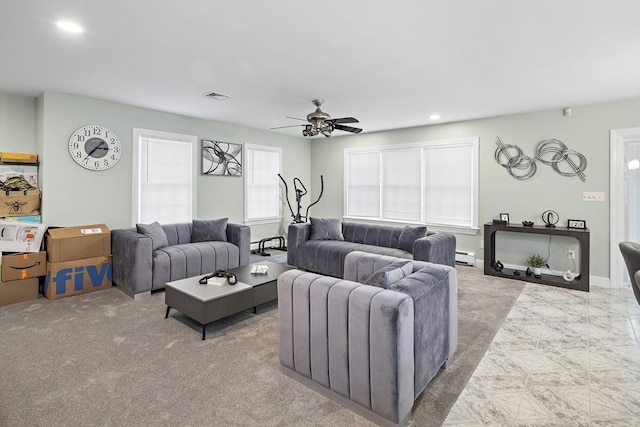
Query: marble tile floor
x,y
561,358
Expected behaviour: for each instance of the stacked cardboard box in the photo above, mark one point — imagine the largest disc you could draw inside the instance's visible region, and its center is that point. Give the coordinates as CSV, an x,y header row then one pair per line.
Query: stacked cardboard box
x,y
21,258
21,261
19,276
79,260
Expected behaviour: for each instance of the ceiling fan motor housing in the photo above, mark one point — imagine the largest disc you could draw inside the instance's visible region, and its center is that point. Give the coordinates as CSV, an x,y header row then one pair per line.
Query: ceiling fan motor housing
x,y
321,122
318,116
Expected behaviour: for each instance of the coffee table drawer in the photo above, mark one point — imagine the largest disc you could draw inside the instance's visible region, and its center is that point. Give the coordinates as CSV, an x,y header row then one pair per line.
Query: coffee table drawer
x,y
265,293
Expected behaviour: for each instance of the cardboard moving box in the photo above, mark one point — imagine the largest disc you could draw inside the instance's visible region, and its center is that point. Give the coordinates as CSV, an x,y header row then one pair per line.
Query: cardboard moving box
x,y
18,203
77,243
23,266
65,279
18,290
21,236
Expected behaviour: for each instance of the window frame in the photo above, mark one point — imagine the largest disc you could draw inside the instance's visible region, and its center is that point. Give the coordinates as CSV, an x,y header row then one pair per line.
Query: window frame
x,y
247,177
138,134
474,145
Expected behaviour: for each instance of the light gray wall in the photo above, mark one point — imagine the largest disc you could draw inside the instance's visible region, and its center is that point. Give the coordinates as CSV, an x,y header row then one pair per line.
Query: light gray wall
x,y
72,195
17,123
586,131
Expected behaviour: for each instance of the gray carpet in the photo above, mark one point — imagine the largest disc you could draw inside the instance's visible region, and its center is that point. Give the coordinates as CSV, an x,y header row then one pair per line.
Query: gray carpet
x,y
104,359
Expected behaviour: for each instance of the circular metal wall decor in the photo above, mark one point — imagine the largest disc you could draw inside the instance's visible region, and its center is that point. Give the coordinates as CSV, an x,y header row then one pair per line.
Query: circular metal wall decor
x,y
550,218
551,152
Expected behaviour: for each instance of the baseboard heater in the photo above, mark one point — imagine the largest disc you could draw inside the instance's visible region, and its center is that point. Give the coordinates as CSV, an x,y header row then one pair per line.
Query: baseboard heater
x,y
466,258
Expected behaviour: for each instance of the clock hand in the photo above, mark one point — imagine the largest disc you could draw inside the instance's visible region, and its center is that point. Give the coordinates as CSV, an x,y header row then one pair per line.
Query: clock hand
x,y
96,148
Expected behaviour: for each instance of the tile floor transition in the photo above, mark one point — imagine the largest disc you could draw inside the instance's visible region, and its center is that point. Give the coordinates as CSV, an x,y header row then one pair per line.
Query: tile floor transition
x,y
561,358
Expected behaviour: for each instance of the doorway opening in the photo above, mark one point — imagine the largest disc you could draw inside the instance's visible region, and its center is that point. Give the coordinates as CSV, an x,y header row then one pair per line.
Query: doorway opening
x,y
625,198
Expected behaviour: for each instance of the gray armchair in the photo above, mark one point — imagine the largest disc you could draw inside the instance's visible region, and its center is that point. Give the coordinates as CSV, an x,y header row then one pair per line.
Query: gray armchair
x,y
370,348
631,254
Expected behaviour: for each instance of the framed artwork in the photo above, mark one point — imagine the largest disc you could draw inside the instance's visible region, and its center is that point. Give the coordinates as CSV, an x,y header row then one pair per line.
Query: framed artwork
x,y
221,158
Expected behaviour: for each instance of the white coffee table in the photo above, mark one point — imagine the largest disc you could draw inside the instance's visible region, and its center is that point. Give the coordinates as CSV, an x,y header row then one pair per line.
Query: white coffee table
x,y
207,303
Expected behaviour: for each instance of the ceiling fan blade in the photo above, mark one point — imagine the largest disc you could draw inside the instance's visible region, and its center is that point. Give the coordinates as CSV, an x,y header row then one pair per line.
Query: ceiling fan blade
x,y
295,118
348,128
344,120
282,127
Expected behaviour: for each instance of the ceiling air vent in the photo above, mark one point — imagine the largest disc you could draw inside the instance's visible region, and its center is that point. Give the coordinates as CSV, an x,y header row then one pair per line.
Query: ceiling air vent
x,y
217,95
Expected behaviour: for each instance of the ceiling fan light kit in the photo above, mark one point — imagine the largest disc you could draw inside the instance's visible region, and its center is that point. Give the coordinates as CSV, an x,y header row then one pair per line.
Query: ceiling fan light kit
x,y
322,123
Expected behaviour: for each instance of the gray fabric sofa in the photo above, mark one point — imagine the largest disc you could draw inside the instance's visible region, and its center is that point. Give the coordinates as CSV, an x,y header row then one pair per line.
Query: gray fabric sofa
x,y
327,256
371,349
137,268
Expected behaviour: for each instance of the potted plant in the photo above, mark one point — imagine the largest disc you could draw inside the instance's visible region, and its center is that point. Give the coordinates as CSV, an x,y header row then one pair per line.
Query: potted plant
x,y
536,262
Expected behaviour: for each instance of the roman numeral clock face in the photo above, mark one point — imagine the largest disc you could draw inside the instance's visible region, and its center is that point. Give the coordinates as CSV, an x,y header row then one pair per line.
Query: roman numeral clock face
x,y
95,148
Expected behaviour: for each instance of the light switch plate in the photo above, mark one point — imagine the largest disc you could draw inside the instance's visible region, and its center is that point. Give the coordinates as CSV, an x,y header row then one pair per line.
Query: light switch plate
x,y
593,196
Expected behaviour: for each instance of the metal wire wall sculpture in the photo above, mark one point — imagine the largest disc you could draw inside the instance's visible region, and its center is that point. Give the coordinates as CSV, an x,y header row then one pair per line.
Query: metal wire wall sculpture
x,y
551,152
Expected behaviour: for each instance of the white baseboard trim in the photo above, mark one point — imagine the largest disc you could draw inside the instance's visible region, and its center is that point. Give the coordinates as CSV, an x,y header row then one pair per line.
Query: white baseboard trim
x,y
600,282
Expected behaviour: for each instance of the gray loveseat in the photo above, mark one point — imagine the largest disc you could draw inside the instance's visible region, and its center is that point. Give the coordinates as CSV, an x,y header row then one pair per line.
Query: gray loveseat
x,y
371,349
326,255
139,268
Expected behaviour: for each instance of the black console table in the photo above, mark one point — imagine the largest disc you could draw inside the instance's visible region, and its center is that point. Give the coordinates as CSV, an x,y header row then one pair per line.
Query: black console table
x,y
580,283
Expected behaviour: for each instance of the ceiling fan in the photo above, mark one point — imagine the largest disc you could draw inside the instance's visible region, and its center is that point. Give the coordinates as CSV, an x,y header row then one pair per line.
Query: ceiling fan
x,y
321,122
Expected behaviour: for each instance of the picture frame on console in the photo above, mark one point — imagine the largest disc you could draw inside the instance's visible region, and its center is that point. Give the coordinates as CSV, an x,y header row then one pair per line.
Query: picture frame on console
x,y
221,158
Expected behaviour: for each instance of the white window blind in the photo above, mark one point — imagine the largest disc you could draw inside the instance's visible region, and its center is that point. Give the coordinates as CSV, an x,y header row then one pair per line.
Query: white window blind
x,y
448,197
401,184
432,183
262,186
164,185
363,184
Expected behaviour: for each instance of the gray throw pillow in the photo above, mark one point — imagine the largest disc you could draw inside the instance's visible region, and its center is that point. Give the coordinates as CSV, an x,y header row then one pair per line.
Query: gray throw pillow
x,y
326,229
410,235
390,274
157,234
209,231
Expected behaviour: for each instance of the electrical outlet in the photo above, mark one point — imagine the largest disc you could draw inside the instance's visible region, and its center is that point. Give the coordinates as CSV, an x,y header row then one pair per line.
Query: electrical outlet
x,y
571,254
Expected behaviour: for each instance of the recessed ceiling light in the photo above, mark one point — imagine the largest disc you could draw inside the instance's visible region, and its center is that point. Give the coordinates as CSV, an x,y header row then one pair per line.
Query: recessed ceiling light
x,y
434,117
69,26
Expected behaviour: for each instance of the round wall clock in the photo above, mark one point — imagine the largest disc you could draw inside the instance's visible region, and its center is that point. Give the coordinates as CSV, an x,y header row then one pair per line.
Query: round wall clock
x,y
95,147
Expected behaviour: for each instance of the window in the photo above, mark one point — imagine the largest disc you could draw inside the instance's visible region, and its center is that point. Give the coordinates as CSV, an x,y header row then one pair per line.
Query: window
x,y
163,184
363,184
434,183
261,183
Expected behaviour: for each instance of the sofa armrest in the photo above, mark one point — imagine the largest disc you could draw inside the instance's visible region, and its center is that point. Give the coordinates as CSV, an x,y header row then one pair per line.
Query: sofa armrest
x,y
297,233
240,235
435,296
438,248
359,265
131,255
352,339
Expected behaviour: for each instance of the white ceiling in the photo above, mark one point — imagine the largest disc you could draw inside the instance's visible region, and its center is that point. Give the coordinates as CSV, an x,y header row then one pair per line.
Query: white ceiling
x,y
391,64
